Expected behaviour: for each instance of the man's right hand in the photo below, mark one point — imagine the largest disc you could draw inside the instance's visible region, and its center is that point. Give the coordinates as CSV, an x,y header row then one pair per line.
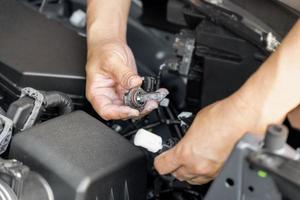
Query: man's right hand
x,y
111,68
111,71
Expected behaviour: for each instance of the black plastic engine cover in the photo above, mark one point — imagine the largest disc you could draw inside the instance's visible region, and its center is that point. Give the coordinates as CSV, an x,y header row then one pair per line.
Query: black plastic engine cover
x,y
44,54
222,62
39,52
83,159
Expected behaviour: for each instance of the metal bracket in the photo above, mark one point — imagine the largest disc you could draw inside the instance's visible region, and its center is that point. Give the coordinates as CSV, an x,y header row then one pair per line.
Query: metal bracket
x,y
185,44
259,170
38,102
18,182
6,133
17,172
238,181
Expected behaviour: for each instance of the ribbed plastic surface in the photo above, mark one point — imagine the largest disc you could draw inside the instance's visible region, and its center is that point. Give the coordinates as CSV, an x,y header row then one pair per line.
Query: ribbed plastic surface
x,y
83,159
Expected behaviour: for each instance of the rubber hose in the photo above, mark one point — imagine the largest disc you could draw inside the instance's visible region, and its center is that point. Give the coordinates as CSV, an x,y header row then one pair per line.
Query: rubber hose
x,y
58,100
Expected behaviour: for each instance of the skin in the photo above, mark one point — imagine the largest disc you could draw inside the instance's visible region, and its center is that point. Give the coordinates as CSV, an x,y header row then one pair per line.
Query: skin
x,y
264,99
267,97
111,69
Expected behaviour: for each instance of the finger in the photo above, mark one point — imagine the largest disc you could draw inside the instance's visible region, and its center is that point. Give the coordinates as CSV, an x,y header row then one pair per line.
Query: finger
x,y
183,174
117,102
203,167
96,83
104,106
200,180
125,75
117,112
166,162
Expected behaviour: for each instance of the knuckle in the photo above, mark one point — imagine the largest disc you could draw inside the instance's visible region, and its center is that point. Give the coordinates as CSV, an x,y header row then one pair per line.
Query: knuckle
x,y
190,182
159,170
182,153
215,169
157,162
177,151
197,169
103,115
193,182
180,178
121,116
201,169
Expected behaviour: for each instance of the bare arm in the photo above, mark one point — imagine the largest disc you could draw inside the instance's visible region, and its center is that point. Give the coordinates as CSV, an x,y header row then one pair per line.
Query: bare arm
x,y
265,98
111,68
273,90
107,19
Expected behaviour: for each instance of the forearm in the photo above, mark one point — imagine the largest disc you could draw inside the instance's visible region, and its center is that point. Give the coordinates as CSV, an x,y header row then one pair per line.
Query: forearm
x,y
273,90
107,20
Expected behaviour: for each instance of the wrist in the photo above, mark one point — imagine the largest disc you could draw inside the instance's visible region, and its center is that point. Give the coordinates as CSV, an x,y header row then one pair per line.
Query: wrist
x,y
262,96
251,112
101,25
102,34
102,45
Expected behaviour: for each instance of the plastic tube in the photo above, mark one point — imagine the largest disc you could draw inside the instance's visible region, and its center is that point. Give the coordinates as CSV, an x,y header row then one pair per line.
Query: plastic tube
x,y
58,99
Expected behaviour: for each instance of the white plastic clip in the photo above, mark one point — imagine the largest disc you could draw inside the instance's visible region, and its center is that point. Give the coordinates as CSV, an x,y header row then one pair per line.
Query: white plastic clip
x,y
148,140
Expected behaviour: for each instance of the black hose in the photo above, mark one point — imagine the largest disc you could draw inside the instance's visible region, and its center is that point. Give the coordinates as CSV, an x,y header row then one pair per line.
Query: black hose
x,y
58,100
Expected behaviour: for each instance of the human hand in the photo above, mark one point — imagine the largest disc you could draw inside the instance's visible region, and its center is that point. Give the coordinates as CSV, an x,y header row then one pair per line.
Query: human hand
x,y
111,71
266,98
198,157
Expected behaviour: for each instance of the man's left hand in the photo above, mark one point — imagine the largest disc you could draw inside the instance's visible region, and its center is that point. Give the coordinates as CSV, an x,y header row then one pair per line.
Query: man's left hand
x,y
198,157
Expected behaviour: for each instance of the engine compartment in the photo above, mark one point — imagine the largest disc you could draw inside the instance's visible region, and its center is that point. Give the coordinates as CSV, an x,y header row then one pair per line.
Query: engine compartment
x,y
201,57
82,164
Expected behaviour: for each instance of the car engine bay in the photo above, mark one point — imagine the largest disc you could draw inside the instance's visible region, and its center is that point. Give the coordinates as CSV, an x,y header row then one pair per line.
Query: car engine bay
x,y
190,54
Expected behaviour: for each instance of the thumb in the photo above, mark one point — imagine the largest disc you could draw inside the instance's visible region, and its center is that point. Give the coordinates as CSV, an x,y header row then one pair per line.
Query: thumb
x,y
166,163
126,76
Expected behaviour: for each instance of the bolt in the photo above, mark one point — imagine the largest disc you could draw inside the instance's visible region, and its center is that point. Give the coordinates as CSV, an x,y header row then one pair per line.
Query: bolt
x,y
275,138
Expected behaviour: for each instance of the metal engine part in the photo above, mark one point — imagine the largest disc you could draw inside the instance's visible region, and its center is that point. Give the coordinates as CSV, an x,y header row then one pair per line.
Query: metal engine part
x,y
26,111
6,126
137,98
255,171
17,182
133,98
